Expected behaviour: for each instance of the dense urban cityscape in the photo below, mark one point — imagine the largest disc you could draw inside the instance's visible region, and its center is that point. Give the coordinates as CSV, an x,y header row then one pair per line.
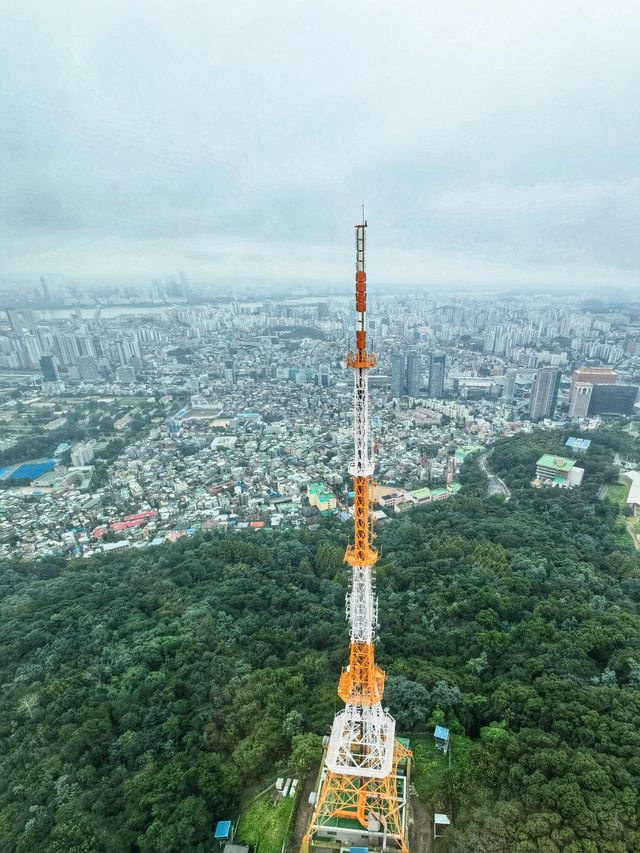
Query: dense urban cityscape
x,y
319,427
142,417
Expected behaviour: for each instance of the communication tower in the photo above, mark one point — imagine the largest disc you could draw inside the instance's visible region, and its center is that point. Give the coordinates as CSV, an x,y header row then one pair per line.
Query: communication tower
x,y
362,793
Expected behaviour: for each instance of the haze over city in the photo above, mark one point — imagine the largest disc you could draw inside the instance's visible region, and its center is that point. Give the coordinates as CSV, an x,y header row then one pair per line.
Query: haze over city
x,y
495,145
319,427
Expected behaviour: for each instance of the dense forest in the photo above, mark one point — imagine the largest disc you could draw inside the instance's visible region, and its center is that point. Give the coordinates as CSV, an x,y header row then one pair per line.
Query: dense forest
x,y
142,692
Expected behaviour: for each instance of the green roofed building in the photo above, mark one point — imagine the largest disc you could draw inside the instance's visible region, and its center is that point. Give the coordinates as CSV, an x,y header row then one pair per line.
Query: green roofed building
x,y
466,450
421,495
558,471
321,496
439,494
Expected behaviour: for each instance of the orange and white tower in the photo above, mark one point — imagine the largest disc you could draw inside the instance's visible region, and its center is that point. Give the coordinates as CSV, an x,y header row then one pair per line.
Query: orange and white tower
x,y
359,781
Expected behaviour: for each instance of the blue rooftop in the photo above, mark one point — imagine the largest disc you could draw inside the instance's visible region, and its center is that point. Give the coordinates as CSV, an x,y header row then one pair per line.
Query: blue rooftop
x,y
359,850
32,470
578,443
441,733
223,830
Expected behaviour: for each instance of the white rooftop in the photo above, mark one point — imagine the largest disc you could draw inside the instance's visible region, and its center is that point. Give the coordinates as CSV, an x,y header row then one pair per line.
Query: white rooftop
x,y
634,492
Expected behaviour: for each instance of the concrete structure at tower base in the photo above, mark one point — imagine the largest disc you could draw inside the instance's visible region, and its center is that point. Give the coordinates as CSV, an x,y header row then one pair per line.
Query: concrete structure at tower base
x,y
336,833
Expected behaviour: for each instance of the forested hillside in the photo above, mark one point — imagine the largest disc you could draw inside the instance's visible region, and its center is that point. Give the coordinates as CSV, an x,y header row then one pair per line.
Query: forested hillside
x,y
142,692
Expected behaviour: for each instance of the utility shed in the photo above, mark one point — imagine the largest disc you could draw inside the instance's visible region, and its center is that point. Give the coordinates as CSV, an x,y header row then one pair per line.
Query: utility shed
x,y
222,831
440,823
441,737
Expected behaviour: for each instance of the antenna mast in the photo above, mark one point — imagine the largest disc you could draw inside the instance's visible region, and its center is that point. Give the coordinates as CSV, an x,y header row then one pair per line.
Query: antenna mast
x,y
361,779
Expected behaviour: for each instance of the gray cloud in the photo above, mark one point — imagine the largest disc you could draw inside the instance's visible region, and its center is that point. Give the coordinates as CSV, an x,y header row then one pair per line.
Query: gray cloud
x,y
494,143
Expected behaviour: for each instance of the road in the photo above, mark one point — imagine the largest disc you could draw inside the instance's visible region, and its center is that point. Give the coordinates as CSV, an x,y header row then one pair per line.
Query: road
x,y
497,486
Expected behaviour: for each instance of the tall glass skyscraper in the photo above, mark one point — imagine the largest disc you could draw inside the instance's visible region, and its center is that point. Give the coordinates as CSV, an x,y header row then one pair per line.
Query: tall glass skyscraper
x,y
437,367
49,367
414,371
509,387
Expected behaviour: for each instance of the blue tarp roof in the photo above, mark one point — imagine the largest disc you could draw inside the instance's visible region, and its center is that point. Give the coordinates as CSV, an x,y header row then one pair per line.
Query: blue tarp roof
x,y
441,733
223,829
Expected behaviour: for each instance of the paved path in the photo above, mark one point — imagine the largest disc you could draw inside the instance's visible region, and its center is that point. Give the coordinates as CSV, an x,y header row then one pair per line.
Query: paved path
x,y
420,832
497,486
632,534
305,812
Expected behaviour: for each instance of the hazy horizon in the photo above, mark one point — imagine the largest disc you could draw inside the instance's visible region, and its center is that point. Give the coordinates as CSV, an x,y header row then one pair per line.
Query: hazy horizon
x,y
495,146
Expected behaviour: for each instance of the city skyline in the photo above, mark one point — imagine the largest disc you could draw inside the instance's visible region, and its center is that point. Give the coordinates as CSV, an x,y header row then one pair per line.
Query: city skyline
x,y
119,410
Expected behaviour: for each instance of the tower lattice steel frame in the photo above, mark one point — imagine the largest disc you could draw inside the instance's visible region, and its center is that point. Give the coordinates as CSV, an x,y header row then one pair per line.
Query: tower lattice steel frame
x,y
362,757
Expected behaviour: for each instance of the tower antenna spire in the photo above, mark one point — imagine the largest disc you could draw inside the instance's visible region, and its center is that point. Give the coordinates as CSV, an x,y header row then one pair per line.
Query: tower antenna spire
x,y
364,775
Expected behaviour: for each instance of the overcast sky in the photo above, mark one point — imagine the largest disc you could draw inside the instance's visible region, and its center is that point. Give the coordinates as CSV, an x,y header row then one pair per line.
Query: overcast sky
x,y
494,143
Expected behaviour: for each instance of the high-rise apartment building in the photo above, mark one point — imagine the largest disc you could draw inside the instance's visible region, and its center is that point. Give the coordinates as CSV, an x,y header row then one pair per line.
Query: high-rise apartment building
x,y
544,394
229,371
82,454
324,375
509,387
437,368
397,375
22,321
88,368
488,342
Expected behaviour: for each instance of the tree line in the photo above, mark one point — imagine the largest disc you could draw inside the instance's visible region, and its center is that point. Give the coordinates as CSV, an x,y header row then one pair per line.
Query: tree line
x,y
144,691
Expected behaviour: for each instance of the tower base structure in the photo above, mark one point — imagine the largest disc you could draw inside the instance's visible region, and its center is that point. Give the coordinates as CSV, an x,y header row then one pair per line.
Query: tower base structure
x,y
360,811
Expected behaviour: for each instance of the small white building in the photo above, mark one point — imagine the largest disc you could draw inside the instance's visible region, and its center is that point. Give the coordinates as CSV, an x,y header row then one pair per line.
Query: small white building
x,y
633,498
440,823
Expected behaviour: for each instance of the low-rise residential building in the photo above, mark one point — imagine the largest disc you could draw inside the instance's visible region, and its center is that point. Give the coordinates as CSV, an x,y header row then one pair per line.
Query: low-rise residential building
x,y
321,497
